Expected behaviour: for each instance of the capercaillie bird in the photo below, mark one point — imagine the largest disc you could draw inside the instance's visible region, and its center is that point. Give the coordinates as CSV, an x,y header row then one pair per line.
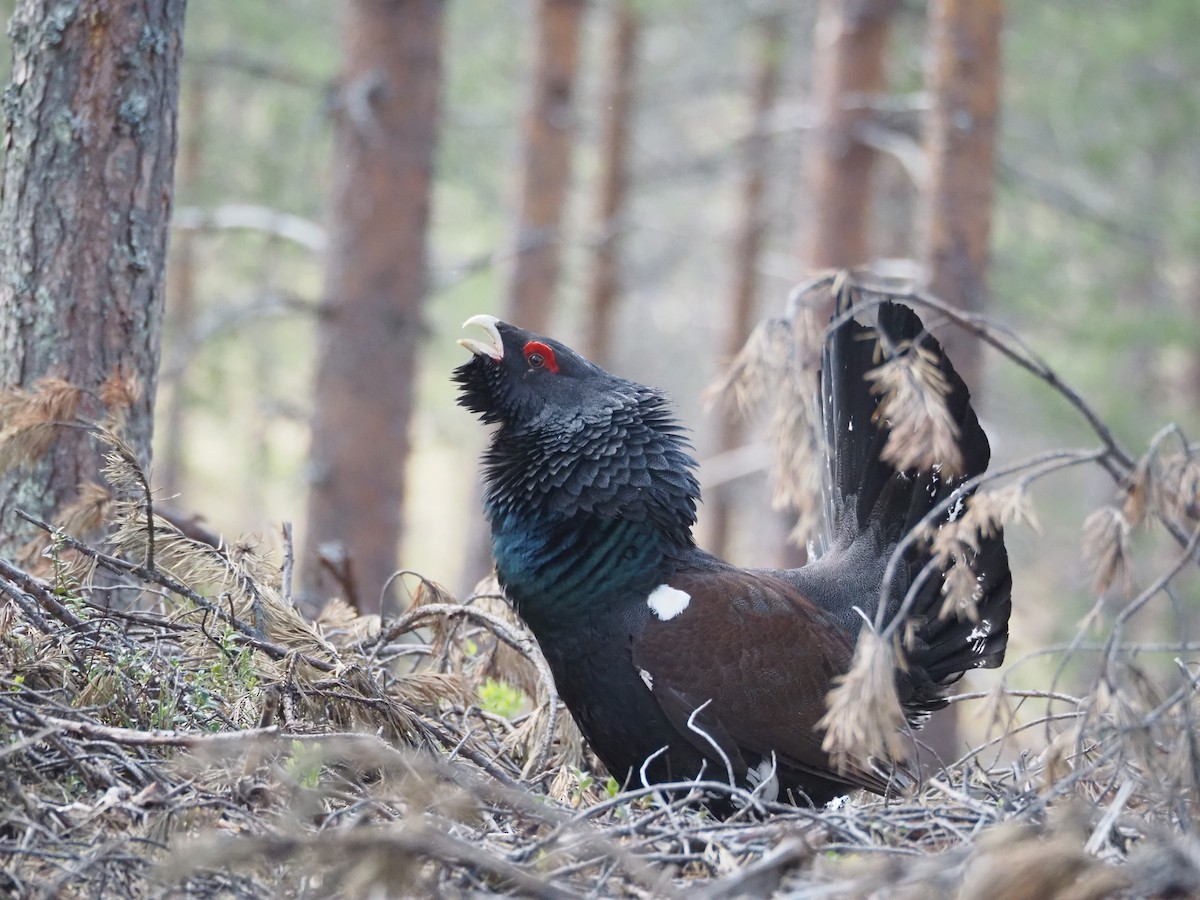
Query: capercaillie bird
x,y
678,665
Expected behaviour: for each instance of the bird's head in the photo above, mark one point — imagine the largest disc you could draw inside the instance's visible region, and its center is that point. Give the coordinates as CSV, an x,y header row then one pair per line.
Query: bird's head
x,y
572,436
516,377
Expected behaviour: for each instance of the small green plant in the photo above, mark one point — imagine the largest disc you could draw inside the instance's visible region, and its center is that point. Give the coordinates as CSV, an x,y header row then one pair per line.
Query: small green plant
x,y
66,583
582,783
303,767
163,712
501,698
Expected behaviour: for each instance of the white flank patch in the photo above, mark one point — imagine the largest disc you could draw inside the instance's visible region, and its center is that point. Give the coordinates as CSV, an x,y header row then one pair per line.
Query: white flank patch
x,y
667,602
647,678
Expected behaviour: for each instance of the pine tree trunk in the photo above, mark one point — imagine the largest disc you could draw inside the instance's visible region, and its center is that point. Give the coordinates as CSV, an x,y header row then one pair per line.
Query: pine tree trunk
x,y
618,107
848,72
960,135
548,135
747,250
90,132
376,282
851,41
181,293
960,140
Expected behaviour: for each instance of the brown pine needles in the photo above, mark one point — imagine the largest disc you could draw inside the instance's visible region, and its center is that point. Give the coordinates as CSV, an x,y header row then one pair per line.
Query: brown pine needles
x,y
913,392
865,719
29,419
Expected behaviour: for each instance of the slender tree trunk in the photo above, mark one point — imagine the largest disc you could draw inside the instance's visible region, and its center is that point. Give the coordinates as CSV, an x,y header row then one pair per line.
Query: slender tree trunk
x,y
748,242
851,42
548,135
960,136
618,107
848,73
960,140
181,290
90,131
375,284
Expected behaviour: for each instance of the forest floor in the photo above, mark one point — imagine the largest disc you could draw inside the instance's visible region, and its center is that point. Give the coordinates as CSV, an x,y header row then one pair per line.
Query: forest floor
x,y
206,740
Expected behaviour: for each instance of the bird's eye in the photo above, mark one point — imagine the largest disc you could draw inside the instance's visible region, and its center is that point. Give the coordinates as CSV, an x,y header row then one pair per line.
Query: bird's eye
x,y
539,356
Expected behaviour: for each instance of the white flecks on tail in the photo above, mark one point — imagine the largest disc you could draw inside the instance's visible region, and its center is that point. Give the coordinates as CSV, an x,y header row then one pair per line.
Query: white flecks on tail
x,y
979,635
667,602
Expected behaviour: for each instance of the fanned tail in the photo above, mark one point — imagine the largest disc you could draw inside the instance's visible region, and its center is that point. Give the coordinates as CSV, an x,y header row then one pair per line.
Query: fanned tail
x,y
874,506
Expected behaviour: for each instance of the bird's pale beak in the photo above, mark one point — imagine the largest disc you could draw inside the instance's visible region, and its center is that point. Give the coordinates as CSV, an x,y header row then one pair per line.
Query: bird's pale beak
x,y
493,350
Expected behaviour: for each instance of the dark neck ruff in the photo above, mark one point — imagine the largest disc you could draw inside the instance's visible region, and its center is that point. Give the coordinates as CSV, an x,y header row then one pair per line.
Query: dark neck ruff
x,y
581,513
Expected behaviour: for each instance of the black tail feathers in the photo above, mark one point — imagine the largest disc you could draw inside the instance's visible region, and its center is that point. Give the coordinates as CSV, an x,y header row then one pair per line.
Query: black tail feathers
x,y
874,506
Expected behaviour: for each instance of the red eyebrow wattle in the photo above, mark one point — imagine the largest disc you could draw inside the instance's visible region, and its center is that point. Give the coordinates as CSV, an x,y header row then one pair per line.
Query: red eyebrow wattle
x,y
547,354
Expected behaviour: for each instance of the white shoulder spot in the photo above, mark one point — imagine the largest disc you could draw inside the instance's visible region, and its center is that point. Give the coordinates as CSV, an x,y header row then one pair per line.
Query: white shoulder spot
x,y
667,602
647,678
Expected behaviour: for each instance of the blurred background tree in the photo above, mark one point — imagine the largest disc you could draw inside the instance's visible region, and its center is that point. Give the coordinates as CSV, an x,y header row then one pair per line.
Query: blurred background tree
x,y
1093,237
376,283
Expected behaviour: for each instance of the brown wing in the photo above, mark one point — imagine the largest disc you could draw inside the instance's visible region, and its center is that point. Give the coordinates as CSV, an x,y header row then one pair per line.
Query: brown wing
x,y
756,659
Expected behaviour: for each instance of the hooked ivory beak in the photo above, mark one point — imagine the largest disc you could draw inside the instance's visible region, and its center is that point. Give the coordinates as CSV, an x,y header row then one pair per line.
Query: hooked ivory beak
x,y
494,350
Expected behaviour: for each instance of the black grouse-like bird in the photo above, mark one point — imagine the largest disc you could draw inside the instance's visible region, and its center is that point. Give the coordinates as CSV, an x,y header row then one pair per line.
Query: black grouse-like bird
x,y
674,663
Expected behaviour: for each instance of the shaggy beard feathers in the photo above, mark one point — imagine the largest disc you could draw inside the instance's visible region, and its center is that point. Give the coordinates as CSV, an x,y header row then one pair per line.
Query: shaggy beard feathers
x,y
633,464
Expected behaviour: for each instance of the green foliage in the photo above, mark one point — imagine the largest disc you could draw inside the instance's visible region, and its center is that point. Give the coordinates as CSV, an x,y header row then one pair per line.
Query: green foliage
x,y
65,577
303,766
502,699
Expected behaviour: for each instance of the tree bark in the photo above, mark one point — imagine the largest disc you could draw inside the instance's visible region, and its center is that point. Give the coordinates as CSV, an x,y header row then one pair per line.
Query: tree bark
x,y
90,133
376,282
548,135
181,290
960,137
851,41
747,250
614,179
848,74
960,141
